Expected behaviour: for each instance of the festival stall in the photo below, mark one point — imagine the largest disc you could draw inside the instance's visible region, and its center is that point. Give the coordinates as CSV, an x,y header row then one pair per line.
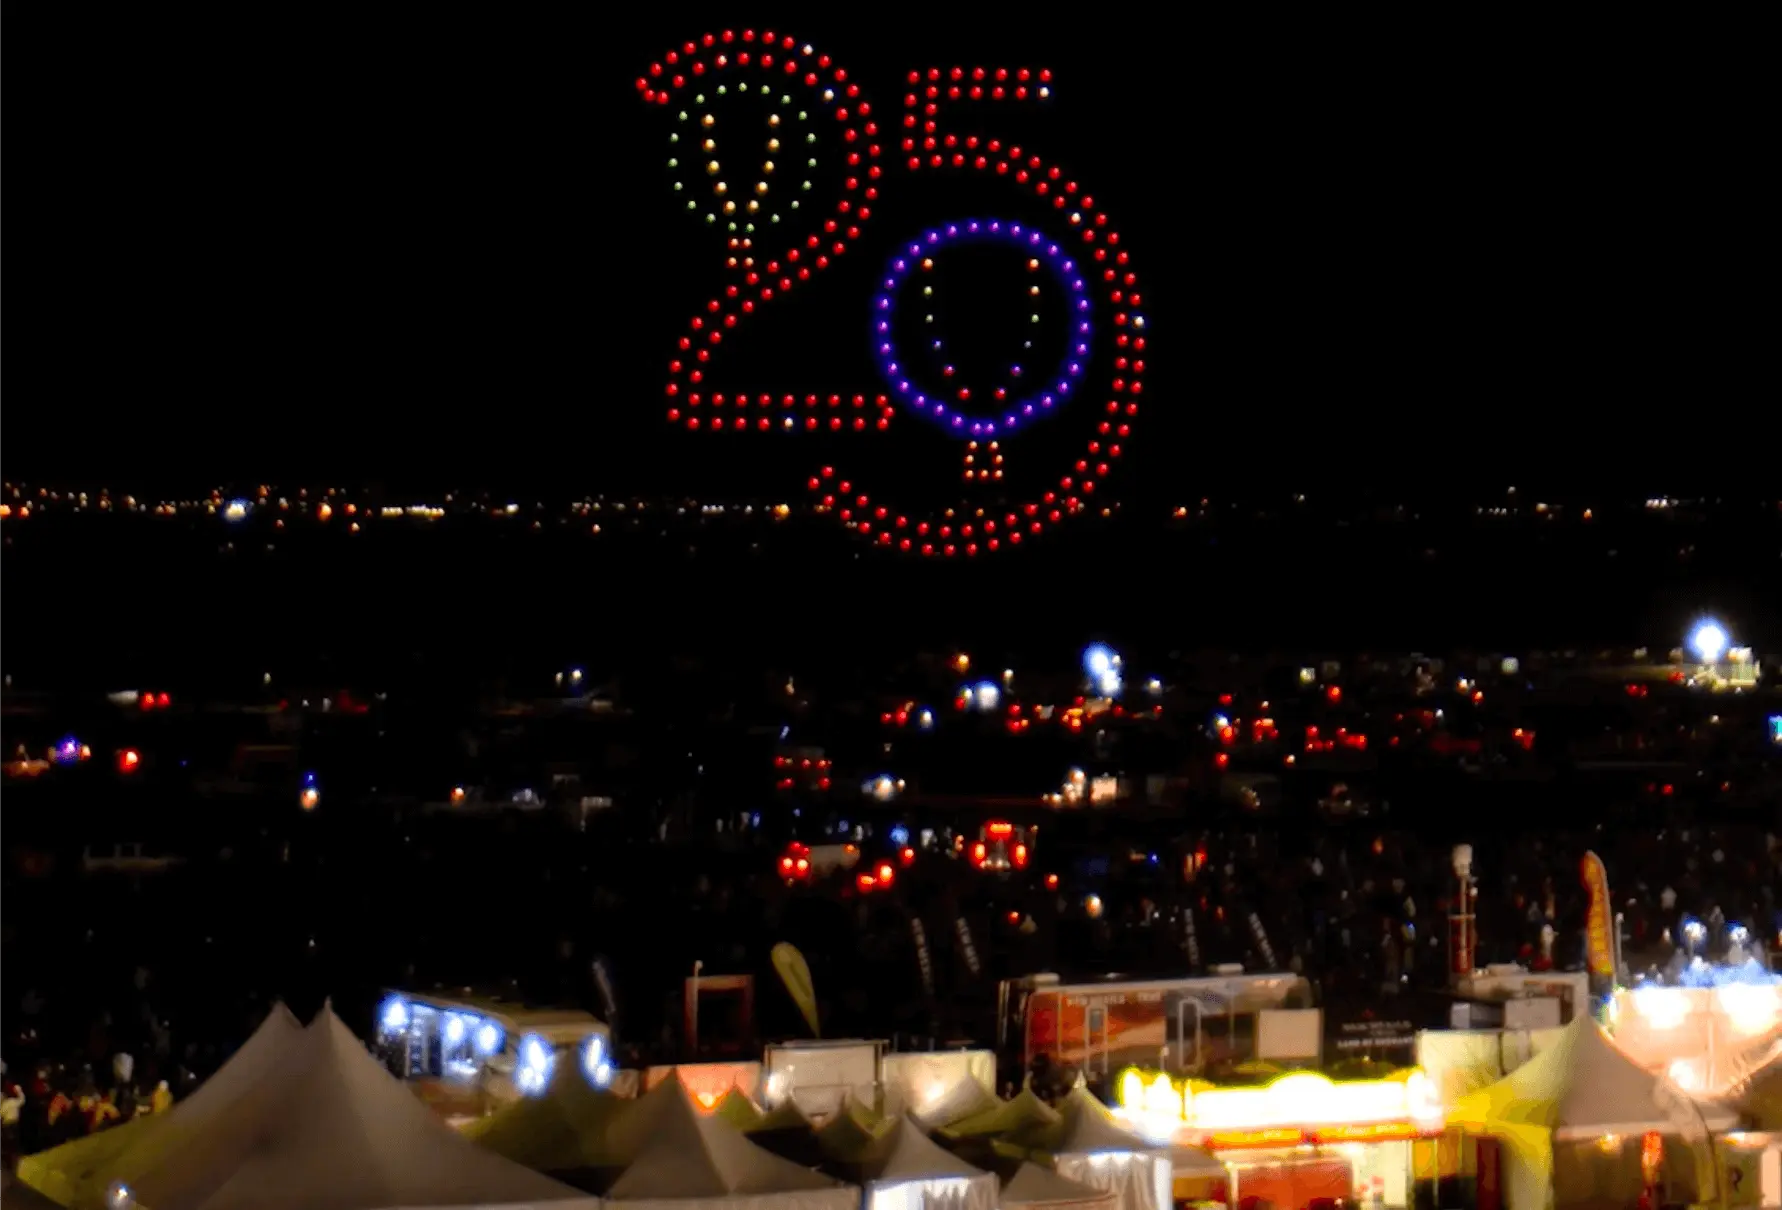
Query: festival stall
x,y
900,1168
1035,1188
70,1174
1583,1124
1087,1145
1300,1138
850,1133
687,1160
563,1131
1703,1039
1022,1110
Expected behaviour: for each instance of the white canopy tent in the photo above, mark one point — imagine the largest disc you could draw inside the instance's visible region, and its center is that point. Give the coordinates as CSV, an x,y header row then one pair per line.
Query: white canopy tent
x,y
907,1170
78,1173
1036,1188
327,1128
688,1159
1088,1146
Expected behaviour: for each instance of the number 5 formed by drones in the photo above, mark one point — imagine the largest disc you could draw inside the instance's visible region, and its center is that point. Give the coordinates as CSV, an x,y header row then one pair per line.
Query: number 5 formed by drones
x,y
756,189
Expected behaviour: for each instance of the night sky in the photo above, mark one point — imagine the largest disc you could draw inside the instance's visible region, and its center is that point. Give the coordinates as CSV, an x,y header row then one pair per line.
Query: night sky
x,y
435,250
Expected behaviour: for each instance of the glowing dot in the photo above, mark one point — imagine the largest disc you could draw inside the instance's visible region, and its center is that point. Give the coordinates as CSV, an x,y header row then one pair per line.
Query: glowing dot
x,y
674,163
720,187
708,121
773,119
710,144
753,205
729,207
773,144
927,263
712,167
760,186
807,185
811,137
677,186
767,167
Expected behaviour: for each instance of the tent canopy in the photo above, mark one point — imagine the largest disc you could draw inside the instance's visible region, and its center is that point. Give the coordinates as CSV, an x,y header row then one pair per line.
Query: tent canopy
x,y
853,1134
690,1155
784,1116
1759,1098
1035,1186
1024,1109
564,1129
739,1111
329,1129
963,1099
1082,1125
76,1172
1584,1087
906,1153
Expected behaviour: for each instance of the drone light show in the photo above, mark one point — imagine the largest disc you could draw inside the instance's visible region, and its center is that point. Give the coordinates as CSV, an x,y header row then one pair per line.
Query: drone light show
x,y
754,116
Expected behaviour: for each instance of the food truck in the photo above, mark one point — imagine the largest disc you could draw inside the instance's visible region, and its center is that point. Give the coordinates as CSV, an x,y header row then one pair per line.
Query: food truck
x,y
467,1055
1181,1026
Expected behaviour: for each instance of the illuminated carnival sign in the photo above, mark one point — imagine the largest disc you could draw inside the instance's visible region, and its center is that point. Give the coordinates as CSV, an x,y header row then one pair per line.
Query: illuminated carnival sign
x,y
1302,1107
753,180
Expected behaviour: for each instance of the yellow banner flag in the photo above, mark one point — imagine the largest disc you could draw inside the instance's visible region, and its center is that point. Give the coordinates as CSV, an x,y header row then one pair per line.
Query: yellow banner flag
x,y
1599,919
795,973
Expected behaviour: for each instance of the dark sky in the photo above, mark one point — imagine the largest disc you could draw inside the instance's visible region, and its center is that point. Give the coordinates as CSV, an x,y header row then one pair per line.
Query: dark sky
x,y
312,243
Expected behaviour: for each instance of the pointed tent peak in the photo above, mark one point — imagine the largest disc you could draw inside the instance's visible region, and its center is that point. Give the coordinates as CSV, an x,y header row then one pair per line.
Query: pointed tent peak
x,y
280,1016
1023,1110
966,1098
692,1155
852,1133
906,1153
736,1108
1759,1095
562,1129
1034,1185
784,1116
1083,1126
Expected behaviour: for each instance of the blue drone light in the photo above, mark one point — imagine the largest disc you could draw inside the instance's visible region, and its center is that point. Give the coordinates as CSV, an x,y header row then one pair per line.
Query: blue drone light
x,y
1011,414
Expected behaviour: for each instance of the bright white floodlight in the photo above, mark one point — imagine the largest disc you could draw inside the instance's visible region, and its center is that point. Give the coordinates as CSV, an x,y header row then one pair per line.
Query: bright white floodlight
x,y
1709,642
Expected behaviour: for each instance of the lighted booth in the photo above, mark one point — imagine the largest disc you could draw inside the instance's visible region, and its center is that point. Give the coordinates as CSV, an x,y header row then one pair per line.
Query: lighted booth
x,y
467,1056
1301,1138
75,1173
1582,1124
1758,1150
1703,1039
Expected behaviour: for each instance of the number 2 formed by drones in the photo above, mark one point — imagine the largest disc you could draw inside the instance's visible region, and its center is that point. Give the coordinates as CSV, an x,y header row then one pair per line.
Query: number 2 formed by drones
x,y
800,92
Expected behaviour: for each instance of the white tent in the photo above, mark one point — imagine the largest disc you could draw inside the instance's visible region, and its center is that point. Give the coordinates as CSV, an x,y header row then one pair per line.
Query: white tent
x,y
906,1170
1087,1145
688,1158
328,1128
78,1172
1036,1188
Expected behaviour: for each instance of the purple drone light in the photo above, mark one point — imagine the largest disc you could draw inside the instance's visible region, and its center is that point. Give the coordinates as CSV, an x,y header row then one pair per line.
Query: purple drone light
x,y
1011,414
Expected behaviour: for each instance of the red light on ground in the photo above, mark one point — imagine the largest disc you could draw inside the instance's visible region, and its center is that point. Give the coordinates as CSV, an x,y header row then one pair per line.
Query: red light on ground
x,y
1334,693
803,866
1222,759
885,872
1014,917
865,881
1051,882
977,853
786,864
162,701
1001,829
1020,855
908,857
128,760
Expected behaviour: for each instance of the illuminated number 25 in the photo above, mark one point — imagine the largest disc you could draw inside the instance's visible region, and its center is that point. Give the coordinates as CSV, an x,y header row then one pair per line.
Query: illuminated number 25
x,y
751,179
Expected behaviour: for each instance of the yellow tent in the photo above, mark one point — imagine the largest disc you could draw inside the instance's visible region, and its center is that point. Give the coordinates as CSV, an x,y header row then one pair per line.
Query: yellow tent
x,y
1580,1090
1024,1109
739,1111
852,1133
563,1129
77,1172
